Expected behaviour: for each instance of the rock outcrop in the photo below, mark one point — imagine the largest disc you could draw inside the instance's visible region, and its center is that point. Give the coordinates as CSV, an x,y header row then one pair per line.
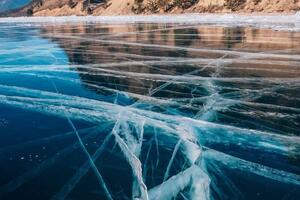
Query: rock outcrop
x,y
122,7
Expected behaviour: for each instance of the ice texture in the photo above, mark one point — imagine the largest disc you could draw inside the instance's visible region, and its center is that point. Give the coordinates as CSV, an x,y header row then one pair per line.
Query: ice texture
x,y
275,21
150,110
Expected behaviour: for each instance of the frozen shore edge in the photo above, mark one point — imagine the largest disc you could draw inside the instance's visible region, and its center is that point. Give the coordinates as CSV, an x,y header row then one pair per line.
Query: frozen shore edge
x,y
289,22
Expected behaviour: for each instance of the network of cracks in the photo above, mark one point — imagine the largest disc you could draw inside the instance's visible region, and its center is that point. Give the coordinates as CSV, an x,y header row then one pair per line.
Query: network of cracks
x,y
149,111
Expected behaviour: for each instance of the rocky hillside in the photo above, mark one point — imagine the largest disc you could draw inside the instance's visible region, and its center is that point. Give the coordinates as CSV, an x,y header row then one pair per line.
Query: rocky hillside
x,y
119,7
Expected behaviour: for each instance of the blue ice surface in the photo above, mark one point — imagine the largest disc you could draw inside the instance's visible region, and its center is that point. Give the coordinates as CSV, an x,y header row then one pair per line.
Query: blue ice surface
x,y
94,111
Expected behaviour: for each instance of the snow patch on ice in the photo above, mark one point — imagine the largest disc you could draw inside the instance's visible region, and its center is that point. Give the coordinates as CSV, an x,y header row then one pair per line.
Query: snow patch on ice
x,y
278,22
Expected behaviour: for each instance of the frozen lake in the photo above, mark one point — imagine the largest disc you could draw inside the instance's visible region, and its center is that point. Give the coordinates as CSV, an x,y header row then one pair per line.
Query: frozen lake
x,y
153,111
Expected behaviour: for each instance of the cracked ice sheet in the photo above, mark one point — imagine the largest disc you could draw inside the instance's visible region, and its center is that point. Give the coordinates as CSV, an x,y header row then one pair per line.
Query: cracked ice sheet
x,y
148,111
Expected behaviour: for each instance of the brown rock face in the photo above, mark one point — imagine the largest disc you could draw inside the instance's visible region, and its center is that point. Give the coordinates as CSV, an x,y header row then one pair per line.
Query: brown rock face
x,y
125,7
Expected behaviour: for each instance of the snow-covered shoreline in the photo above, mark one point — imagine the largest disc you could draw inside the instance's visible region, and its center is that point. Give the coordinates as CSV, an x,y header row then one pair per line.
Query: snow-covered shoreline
x,y
289,22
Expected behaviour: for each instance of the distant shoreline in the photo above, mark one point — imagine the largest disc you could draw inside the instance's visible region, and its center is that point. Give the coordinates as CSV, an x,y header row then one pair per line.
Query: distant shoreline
x,y
144,7
288,22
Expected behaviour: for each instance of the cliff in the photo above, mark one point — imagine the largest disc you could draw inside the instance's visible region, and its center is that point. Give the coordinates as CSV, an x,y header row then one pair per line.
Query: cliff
x,y
122,7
